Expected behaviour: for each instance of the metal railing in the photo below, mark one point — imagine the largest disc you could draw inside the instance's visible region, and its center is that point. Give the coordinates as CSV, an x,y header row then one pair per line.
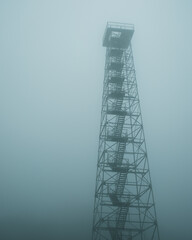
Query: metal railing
x,y
127,26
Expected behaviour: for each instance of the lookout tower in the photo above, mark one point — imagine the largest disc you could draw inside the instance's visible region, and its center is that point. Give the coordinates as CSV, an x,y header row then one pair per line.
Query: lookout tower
x,y
124,206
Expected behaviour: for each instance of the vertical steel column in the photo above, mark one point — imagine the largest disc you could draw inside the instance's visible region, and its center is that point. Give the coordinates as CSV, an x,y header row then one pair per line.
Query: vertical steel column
x,y
124,205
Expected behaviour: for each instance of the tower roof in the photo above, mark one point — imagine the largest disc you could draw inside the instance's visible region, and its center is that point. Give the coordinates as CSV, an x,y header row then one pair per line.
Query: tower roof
x,y
118,35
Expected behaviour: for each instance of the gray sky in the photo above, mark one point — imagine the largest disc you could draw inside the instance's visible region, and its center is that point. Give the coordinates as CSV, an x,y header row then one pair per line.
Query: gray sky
x,y
51,76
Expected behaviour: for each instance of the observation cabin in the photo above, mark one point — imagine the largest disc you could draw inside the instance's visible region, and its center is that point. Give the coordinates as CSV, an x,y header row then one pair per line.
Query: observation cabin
x,y
118,35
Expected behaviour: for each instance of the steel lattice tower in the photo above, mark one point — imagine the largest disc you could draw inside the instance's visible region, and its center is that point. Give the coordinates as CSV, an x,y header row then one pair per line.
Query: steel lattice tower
x,y
124,204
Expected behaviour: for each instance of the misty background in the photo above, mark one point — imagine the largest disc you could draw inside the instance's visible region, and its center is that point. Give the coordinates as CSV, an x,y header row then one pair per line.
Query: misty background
x,y
51,79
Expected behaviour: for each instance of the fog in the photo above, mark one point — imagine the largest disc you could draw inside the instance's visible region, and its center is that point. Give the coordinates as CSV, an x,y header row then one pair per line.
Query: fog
x,y
51,76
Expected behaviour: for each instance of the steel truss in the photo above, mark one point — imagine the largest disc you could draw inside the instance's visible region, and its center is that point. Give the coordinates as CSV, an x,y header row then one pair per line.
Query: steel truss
x,y
124,204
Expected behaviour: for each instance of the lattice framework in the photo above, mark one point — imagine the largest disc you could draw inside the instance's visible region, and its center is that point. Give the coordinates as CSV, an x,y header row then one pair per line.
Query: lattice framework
x,y
124,204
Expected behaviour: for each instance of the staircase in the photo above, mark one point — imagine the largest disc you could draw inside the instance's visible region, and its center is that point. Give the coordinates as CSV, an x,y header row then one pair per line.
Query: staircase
x,y
122,217
121,183
119,128
117,135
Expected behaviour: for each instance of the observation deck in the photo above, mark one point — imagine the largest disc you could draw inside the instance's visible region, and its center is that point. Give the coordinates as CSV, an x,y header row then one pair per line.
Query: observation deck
x,y
118,35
